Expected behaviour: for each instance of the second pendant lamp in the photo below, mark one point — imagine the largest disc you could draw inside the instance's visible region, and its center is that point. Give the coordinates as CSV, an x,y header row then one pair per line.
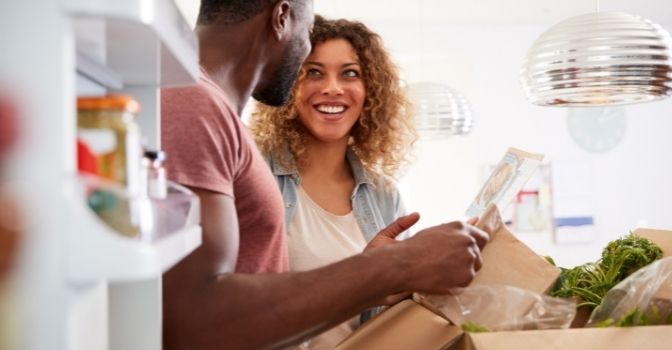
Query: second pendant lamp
x,y
598,59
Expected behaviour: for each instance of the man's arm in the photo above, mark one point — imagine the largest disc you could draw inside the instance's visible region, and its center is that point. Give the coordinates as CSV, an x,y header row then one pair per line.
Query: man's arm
x,y
207,307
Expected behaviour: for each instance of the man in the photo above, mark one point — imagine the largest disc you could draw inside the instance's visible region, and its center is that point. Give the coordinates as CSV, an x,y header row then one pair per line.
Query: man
x,y
233,291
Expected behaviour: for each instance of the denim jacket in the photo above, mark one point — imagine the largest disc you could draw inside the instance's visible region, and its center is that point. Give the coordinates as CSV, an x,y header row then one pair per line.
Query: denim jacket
x,y
373,206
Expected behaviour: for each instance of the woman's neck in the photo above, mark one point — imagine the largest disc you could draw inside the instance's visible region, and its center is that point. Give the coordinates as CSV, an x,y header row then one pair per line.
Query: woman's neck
x,y
327,161
328,179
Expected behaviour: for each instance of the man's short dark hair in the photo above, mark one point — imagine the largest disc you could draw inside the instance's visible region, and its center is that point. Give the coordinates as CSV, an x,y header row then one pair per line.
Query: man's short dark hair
x,y
230,11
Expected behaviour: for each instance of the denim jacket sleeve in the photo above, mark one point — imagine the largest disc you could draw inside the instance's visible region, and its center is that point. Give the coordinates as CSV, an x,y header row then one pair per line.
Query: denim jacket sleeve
x,y
374,205
377,206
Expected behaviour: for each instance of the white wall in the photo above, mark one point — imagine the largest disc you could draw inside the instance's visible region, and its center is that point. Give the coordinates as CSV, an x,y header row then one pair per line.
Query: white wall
x,y
632,183
481,56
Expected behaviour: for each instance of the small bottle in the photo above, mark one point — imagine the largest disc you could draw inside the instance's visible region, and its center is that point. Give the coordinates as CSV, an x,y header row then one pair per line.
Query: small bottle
x,y
157,187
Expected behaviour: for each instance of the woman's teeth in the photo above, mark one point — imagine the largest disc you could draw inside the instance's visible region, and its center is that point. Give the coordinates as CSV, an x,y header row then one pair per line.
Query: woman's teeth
x,y
331,109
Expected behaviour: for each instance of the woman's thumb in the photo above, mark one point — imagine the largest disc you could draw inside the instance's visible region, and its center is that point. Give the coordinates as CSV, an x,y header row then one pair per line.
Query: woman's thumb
x,y
400,225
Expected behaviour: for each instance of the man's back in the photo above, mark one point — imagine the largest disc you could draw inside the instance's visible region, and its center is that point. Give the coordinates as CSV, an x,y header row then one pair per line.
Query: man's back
x,y
216,153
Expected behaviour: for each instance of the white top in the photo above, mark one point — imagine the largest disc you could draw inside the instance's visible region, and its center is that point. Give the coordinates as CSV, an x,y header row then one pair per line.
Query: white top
x,y
317,237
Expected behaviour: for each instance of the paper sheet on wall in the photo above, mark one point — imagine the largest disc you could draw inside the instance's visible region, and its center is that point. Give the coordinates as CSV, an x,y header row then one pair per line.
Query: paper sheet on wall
x,y
573,202
506,180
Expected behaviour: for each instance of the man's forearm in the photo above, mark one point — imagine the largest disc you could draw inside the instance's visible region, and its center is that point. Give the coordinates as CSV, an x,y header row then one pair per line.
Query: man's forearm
x,y
283,308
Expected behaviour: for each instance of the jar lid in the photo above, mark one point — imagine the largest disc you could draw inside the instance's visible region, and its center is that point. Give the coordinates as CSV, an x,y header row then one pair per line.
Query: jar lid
x,y
155,156
110,102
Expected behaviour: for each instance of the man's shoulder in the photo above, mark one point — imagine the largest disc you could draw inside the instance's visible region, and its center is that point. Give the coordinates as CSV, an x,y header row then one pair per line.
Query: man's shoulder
x,y
201,91
202,99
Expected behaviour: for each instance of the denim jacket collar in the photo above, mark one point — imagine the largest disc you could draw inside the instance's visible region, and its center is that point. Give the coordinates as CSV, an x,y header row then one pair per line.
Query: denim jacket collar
x,y
361,176
280,169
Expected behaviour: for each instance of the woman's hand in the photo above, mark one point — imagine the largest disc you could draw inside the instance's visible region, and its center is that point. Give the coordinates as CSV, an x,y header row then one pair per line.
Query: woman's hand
x,y
389,234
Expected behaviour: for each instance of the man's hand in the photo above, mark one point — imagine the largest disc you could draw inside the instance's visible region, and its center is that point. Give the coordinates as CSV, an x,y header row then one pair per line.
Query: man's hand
x,y
389,234
436,259
440,257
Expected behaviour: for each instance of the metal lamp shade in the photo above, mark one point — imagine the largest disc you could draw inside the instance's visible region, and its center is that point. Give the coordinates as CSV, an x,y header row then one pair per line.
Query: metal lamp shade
x,y
603,58
440,110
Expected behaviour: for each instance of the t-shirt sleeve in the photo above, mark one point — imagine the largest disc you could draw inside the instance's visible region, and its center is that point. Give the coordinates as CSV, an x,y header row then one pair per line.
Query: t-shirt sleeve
x,y
200,140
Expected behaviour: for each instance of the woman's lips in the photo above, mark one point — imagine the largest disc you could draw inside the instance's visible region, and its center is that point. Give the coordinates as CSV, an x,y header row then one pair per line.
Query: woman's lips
x,y
331,109
331,112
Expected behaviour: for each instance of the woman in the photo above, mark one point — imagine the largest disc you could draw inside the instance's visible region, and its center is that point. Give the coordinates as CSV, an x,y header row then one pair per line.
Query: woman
x,y
336,147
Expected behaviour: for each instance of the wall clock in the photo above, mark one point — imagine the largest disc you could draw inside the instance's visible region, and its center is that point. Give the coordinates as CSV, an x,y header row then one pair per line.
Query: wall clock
x,y
597,129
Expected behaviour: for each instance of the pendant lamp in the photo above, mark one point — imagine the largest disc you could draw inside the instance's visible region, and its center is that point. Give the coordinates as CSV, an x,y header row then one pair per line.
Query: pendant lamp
x,y
440,110
599,59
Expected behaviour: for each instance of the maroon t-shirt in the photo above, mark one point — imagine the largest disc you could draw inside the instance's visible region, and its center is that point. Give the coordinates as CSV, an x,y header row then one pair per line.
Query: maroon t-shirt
x,y
209,147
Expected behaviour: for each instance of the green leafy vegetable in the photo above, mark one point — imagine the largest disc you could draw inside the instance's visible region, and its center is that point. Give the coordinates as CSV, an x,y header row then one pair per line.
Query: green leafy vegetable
x,y
592,281
474,328
637,317
630,253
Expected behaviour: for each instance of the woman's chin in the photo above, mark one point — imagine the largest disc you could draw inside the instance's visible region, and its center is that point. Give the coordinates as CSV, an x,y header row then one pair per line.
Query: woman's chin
x,y
331,138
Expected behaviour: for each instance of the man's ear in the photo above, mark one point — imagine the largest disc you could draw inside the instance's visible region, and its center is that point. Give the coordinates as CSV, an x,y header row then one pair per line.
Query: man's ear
x,y
280,18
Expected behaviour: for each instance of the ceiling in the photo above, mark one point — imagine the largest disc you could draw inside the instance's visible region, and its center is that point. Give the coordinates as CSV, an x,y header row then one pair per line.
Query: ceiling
x,y
488,11
509,12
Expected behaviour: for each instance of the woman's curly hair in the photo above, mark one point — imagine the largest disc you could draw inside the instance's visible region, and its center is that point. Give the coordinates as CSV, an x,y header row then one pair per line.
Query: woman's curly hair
x,y
385,131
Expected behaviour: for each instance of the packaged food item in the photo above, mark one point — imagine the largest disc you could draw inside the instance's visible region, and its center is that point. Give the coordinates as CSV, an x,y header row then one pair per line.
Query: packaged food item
x,y
506,180
644,298
106,128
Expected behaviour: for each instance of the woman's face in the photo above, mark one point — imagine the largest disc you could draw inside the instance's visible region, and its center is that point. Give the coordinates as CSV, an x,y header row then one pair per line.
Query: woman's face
x,y
331,96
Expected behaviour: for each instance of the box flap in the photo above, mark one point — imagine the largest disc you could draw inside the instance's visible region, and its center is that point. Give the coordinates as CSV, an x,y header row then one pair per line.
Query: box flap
x,y
506,261
404,326
664,240
649,337
661,237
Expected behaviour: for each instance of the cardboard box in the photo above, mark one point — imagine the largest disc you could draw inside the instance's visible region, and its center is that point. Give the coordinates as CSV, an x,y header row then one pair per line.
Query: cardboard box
x,y
506,261
410,326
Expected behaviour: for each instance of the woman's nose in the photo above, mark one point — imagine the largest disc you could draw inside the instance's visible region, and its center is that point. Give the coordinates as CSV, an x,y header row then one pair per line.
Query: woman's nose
x,y
332,86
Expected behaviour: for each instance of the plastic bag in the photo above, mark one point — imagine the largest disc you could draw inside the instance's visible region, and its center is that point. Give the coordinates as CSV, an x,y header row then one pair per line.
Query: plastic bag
x,y
501,308
644,298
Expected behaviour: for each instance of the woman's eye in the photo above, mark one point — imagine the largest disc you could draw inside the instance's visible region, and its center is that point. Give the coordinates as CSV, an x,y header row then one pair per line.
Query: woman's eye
x,y
351,73
313,72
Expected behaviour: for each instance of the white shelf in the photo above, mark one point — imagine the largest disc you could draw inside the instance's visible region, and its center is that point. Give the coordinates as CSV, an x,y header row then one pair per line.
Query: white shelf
x,y
80,284
96,252
145,42
94,70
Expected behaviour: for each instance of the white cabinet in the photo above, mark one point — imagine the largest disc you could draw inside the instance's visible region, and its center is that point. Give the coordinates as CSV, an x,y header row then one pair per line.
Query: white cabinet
x,y
81,285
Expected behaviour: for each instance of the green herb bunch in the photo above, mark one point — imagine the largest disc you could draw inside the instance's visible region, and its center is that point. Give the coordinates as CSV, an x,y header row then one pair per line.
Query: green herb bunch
x,y
636,317
473,327
592,281
630,254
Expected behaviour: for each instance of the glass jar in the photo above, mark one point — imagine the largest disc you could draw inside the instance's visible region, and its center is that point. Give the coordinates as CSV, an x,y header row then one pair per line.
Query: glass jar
x,y
109,147
107,128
